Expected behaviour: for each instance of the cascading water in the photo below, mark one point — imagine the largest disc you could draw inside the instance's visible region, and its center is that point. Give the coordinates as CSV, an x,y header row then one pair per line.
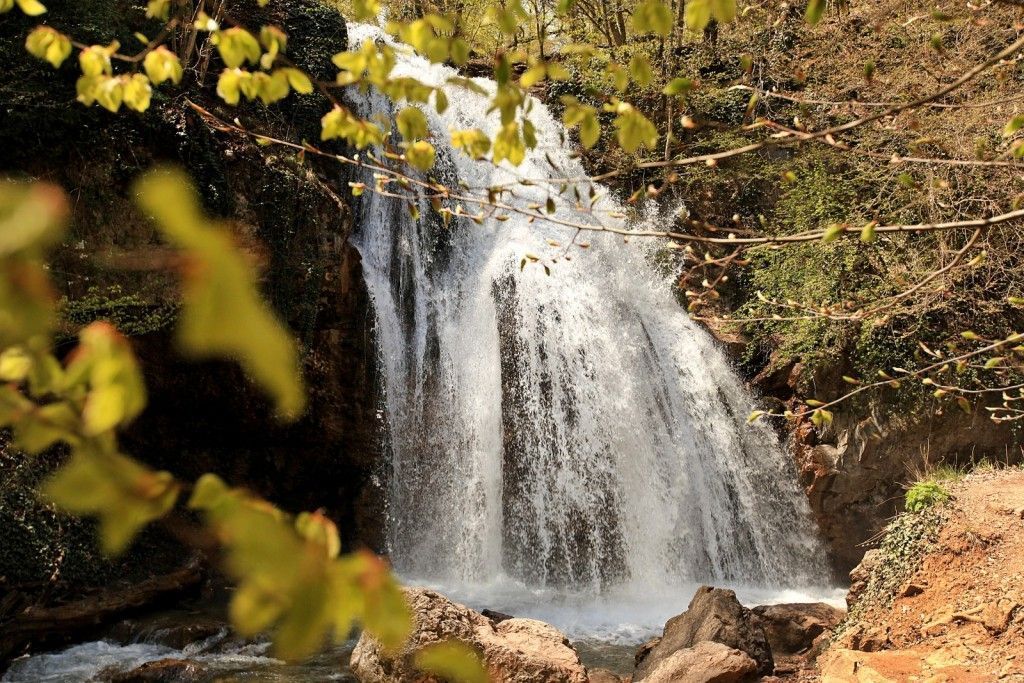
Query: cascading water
x,y
571,432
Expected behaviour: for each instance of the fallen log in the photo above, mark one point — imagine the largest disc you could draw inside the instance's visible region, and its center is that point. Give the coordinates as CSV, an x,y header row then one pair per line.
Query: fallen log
x,y
42,627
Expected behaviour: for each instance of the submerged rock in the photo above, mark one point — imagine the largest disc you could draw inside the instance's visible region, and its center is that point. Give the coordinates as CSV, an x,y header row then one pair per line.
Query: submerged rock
x,y
707,662
792,628
514,650
714,615
159,671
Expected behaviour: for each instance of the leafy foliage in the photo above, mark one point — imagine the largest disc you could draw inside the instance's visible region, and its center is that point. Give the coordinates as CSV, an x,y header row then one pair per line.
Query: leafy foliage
x,y
925,494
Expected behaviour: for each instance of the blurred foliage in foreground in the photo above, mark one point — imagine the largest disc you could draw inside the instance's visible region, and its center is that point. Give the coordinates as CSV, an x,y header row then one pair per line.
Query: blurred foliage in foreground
x,y
290,577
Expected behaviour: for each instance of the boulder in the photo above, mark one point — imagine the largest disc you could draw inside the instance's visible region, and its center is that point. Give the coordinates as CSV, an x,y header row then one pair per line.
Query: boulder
x,y
514,650
159,671
706,662
792,628
603,676
860,575
714,615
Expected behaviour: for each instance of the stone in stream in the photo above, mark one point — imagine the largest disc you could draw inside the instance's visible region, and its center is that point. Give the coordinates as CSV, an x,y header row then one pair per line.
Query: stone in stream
x,y
159,671
514,650
714,615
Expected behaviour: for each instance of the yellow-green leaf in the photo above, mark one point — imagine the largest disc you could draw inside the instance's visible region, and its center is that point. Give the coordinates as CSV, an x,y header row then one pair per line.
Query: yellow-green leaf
x,y
412,124
653,16
162,65
33,8
420,154
222,314
452,660
49,45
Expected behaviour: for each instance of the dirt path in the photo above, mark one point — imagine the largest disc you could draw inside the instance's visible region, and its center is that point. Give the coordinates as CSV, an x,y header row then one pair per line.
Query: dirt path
x,y
960,617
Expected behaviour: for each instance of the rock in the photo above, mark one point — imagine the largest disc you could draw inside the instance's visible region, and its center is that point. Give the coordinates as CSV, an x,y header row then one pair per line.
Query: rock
x,y
851,666
714,615
911,589
514,650
496,617
644,650
706,662
996,616
159,671
603,676
863,638
860,574
792,628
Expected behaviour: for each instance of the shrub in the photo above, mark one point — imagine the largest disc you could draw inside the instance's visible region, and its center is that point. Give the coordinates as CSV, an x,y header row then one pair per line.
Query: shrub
x,y
925,494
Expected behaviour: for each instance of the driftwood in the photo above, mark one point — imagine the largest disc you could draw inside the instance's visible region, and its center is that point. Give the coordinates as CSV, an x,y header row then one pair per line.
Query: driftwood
x,y
36,628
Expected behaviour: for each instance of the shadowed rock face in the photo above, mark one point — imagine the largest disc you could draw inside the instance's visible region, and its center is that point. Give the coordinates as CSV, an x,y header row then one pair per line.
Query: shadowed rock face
x,y
714,615
288,216
791,629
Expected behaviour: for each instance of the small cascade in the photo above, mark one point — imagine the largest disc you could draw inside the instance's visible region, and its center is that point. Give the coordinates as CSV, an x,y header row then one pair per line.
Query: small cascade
x,y
568,431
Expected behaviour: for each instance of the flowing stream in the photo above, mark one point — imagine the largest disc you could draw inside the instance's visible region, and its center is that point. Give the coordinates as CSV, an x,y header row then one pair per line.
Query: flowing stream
x,y
563,440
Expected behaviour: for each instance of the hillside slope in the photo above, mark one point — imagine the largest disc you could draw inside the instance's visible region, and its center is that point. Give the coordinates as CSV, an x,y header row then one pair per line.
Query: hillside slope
x,y
950,608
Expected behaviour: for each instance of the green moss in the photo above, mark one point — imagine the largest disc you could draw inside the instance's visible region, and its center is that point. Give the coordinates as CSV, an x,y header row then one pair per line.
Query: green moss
x,y
129,312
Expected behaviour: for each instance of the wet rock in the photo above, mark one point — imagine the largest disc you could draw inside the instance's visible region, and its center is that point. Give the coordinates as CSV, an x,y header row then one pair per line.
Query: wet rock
x,y
706,662
644,650
160,671
792,628
714,615
514,650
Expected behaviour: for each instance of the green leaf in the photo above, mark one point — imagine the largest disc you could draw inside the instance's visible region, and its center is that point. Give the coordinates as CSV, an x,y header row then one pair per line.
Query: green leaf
x,y
833,232
508,144
122,494
1013,125
634,129
452,660
867,233
222,313
640,70
653,16
237,46
678,87
473,142
420,154
412,124
162,65
815,9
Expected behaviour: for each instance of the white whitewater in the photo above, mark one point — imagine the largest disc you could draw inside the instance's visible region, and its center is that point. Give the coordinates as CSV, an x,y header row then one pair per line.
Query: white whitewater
x,y
565,434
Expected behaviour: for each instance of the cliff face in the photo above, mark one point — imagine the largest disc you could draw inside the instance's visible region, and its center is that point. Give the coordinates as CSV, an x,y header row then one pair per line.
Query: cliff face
x,y
855,470
289,214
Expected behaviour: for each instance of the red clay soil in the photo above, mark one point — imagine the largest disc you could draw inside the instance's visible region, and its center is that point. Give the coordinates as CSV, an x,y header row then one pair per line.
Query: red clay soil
x,y
961,615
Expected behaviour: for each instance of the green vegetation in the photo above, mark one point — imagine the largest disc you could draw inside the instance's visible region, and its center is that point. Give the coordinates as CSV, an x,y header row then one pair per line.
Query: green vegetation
x,y
905,542
925,494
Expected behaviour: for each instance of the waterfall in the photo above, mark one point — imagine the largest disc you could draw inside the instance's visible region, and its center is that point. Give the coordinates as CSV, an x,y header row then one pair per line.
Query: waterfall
x,y
570,430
